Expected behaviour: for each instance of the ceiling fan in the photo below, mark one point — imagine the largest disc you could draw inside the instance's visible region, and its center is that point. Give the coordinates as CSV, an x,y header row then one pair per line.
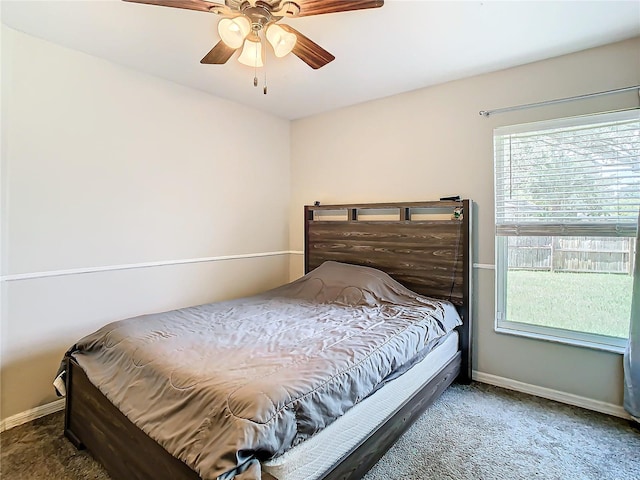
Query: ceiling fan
x,y
244,22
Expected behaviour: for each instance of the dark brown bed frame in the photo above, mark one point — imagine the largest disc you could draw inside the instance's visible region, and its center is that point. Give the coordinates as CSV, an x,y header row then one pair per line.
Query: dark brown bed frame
x,y
431,257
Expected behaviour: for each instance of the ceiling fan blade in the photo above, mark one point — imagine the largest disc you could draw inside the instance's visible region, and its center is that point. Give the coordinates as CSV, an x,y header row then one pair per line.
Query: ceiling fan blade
x,y
320,7
309,51
199,5
218,54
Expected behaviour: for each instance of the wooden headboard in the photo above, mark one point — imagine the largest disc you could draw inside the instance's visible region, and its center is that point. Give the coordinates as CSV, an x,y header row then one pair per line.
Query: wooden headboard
x,y
426,246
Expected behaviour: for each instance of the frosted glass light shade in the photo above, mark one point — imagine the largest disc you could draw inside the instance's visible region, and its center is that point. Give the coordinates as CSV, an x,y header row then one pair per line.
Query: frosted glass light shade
x,y
233,31
281,40
251,53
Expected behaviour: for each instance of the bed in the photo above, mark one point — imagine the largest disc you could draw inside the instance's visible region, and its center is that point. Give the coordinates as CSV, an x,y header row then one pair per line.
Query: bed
x,y
407,252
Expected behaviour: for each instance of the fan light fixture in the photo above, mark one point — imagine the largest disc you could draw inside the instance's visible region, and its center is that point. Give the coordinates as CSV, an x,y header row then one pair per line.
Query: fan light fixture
x,y
233,31
252,52
281,40
239,32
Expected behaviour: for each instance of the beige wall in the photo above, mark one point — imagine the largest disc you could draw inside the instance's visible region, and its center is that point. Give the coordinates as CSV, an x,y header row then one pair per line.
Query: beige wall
x,y
103,166
431,143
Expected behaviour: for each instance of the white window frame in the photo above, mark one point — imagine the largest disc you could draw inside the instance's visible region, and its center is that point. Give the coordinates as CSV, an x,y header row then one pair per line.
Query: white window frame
x,y
503,325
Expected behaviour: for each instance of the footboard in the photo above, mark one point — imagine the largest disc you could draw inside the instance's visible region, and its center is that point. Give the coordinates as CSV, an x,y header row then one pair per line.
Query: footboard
x,y
126,452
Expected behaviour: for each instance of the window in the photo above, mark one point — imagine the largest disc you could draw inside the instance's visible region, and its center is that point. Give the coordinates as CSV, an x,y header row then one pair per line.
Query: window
x,y
567,194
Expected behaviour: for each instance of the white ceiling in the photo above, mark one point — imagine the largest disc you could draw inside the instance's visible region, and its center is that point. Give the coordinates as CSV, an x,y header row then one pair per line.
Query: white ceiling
x,y
403,46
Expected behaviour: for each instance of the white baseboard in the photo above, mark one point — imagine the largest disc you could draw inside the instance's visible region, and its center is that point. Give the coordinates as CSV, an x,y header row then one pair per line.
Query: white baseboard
x,y
32,414
558,396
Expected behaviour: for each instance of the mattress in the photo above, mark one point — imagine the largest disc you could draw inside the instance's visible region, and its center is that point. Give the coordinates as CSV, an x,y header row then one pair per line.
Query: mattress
x,y
315,456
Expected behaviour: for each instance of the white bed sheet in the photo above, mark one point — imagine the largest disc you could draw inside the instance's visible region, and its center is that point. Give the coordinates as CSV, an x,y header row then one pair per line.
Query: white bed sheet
x,y
311,458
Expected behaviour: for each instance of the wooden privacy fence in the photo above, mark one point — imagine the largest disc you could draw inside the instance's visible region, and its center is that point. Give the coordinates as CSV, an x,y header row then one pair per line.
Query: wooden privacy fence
x,y
573,254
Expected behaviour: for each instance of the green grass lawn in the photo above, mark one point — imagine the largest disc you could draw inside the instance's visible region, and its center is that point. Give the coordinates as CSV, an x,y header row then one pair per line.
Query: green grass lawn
x,y
588,302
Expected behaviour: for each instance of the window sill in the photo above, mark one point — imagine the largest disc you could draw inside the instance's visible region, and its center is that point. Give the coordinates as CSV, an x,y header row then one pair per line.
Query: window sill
x,y
575,339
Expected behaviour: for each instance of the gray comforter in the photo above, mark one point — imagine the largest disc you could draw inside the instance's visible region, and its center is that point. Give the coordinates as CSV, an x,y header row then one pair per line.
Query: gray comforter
x,y
223,385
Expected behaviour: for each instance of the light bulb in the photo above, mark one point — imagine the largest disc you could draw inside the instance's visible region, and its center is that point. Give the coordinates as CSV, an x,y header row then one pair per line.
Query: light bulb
x,y
251,53
281,40
233,31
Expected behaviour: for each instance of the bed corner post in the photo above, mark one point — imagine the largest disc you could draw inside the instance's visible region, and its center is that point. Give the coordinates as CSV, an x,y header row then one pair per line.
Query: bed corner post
x,y
466,338
308,217
68,404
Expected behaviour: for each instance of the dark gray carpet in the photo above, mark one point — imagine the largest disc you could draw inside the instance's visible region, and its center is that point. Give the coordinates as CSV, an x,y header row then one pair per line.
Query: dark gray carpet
x,y
474,432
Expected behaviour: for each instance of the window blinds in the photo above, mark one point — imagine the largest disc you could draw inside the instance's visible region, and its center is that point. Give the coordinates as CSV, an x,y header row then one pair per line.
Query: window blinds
x,y
577,176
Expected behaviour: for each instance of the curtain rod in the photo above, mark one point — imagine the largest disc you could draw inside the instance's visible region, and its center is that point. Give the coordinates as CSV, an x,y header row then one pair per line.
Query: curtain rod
x,y
486,113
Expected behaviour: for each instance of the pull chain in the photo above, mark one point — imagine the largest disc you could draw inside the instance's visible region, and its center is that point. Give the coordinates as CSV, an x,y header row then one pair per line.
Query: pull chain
x,y
255,65
264,88
255,70
263,51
